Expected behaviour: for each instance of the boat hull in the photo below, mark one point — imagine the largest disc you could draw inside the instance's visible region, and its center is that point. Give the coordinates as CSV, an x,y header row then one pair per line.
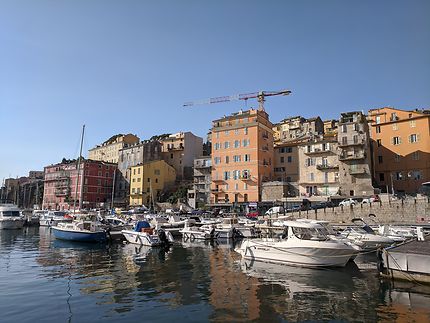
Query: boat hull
x,y
81,236
297,255
11,224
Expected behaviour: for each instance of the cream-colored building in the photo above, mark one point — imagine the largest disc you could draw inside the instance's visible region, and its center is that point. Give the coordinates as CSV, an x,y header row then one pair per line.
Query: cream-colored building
x,y
295,128
319,167
109,150
179,150
149,180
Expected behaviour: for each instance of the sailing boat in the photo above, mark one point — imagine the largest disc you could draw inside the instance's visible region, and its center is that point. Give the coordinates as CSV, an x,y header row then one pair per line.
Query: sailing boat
x,y
80,230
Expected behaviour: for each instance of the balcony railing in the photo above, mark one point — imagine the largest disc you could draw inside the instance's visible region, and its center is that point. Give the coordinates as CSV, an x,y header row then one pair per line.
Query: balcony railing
x,y
318,151
352,157
345,143
327,166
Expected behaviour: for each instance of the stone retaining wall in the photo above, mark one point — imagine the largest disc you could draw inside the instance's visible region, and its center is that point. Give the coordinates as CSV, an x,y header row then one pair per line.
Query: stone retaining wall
x,y
407,211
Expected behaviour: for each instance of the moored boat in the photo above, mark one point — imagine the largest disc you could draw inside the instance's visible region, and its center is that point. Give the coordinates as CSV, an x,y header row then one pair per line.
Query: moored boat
x,y
10,217
82,231
300,244
144,235
53,218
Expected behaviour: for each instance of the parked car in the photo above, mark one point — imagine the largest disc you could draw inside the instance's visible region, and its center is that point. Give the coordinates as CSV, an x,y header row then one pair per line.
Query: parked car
x,y
322,205
253,215
371,199
275,210
348,202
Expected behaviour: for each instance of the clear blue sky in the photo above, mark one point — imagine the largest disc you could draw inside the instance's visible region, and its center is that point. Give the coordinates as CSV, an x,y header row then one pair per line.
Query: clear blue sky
x,y
128,65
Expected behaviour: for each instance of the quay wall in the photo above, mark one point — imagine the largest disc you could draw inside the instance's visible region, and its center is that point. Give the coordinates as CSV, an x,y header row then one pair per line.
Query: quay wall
x,y
399,211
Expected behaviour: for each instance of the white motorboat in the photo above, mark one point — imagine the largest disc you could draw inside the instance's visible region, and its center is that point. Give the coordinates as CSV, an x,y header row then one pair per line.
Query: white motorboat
x,y
300,244
366,240
172,224
10,217
52,218
397,233
206,232
144,235
230,228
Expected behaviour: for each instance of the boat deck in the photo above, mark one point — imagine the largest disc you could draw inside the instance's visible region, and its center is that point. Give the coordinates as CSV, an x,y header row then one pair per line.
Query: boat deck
x,y
414,247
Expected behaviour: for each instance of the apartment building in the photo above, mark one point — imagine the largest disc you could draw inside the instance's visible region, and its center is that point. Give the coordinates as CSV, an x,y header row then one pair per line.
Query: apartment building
x,y
319,166
200,194
400,148
92,188
108,151
242,156
132,155
179,150
354,155
149,180
294,128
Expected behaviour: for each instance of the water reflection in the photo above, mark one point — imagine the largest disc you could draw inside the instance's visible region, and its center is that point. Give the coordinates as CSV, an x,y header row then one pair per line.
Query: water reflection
x,y
197,281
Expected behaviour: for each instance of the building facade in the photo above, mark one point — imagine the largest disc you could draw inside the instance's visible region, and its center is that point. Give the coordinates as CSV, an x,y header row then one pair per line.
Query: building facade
x,y
295,128
63,190
354,155
400,148
200,194
242,156
149,180
319,167
109,150
132,155
179,150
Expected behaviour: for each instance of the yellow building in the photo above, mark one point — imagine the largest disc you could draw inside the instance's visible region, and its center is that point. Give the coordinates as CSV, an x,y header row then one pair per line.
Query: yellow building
x,y
109,150
148,180
401,148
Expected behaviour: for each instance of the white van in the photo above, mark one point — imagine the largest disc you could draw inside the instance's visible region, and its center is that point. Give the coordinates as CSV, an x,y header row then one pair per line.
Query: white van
x,y
275,210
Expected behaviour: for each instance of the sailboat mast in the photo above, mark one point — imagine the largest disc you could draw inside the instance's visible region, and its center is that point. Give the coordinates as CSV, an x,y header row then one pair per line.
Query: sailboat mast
x,y
78,167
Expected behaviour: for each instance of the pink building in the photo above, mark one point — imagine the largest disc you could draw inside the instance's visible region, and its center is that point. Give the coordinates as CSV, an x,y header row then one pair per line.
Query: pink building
x,y
94,189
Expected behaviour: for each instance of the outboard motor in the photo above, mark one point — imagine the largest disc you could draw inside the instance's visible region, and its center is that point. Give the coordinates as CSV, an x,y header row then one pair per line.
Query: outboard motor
x,y
163,237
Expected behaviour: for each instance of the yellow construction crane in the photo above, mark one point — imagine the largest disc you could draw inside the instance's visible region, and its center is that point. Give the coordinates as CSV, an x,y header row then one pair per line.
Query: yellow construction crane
x,y
260,96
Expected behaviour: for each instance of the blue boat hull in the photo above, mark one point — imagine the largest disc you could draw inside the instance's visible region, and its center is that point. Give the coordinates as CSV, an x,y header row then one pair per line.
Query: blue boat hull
x,y
99,236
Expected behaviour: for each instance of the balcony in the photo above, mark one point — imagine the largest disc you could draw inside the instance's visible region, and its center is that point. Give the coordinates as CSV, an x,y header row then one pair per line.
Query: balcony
x,y
345,157
173,148
318,151
62,192
319,183
346,143
327,167
357,171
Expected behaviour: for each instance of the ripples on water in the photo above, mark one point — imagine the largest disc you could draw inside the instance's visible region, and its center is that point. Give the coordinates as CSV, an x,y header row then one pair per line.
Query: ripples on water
x,y
48,280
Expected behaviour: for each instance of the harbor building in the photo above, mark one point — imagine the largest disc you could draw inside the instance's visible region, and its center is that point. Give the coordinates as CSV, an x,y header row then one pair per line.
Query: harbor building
x,y
400,148
242,156
179,150
319,166
25,191
297,127
149,180
108,151
200,194
132,155
354,155
92,188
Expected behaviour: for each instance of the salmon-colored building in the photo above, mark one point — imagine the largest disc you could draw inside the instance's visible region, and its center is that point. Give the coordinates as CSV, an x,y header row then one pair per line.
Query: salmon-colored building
x,y
242,156
401,148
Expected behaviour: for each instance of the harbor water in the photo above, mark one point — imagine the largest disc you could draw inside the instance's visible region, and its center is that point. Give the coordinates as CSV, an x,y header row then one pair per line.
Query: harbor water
x,y
47,280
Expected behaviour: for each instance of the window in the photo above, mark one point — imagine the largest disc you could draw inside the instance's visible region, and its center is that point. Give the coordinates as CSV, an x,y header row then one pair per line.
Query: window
x,y
380,159
379,142
134,180
381,177
397,158
356,127
156,180
413,138
245,186
138,190
236,131
398,176
416,174
344,128
217,146
133,190
148,180
289,149
412,124
325,177
236,143
245,130
245,142
289,159
138,179
226,132
236,174
378,119
217,135
282,159
236,187
236,158
416,155
395,126
226,175
156,172
247,157
226,145
396,141
171,156
217,160
393,116
311,177
344,140
134,171
378,129
227,159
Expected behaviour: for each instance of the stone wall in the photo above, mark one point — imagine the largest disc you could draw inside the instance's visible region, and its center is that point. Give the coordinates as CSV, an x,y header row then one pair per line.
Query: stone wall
x,y
402,211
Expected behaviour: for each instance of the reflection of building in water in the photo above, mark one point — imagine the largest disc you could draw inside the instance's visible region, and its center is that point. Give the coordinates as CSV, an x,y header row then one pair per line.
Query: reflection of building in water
x,y
233,294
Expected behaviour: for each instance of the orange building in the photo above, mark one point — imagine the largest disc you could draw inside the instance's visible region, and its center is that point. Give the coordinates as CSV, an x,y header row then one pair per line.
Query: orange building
x,y
242,156
401,148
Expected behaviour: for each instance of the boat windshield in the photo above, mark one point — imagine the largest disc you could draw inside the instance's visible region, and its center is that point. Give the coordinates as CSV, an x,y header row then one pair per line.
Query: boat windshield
x,y
59,213
11,213
309,234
